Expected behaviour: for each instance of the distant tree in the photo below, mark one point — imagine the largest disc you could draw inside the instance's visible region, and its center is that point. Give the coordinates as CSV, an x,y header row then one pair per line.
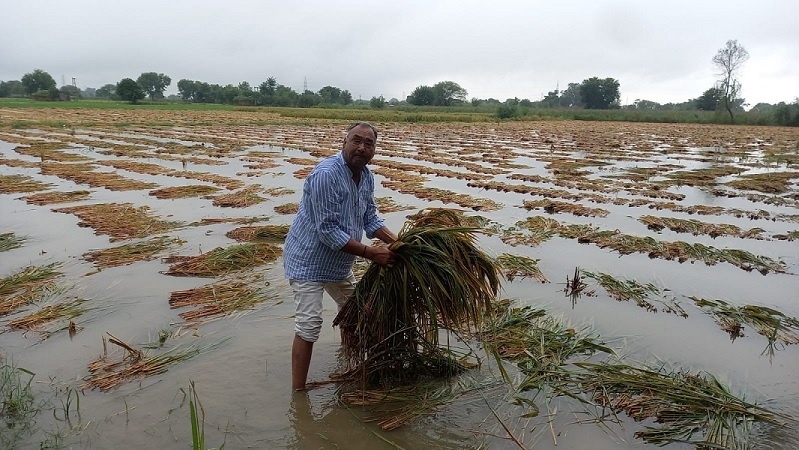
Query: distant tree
x,y
709,100
787,115
106,91
89,92
599,93
377,102
728,61
129,90
422,95
330,95
38,80
645,104
508,111
570,98
308,99
186,89
393,101
202,92
552,100
72,91
285,96
13,88
154,84
346,97
446,93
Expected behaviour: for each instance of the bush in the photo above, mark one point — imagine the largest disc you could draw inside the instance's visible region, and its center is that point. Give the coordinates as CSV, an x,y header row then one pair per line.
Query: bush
x,y
507,112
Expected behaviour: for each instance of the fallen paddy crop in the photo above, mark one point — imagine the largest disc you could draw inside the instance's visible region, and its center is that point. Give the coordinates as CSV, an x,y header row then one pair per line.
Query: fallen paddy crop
x,y
688,408
196,190
275,233
239,199
516,266
11,184
62,312
221,261
696,227
119,220
130,253
48,198
287,208
10,241
387,205
641,294
772,324
26,286
106,373
84,174
553,207
222,298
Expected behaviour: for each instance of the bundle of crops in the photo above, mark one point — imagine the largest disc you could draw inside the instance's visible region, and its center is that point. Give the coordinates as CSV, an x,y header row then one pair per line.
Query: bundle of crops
x,y
439,281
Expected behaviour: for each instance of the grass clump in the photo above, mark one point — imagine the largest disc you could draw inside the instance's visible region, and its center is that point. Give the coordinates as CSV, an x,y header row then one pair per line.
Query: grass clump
x,y
18,407
287,208
62,312
240,199
221,261
440,281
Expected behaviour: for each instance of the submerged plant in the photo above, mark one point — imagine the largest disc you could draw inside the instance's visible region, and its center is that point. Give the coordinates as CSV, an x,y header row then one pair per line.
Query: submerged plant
x,y
772,324
641,294
514,266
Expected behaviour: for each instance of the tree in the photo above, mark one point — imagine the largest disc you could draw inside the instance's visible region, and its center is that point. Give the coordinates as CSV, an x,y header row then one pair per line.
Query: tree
x,y
71,91
709,100
599,93
445,93
107,91
154,84
186,89
346,97
129,90
12,88
38,80
570,98
422,95
729,60
330,95
377,102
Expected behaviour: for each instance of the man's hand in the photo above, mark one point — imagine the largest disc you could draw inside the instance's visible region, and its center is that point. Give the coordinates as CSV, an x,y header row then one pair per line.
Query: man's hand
x,y
380,255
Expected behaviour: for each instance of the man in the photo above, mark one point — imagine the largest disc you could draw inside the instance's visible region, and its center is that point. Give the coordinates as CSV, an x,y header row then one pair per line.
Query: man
x,y
337,206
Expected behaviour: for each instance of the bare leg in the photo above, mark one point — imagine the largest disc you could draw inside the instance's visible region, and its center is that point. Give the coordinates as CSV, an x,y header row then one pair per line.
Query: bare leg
x,y
300,362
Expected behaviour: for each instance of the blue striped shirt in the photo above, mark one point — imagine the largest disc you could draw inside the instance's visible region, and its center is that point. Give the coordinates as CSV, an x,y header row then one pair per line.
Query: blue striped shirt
x,y
332,210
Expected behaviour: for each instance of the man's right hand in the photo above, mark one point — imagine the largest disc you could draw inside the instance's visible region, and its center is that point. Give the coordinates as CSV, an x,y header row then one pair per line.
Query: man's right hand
x,y
380,255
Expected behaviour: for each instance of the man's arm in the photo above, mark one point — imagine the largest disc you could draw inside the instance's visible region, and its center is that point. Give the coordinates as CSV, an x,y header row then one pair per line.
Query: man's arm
x,y
385,235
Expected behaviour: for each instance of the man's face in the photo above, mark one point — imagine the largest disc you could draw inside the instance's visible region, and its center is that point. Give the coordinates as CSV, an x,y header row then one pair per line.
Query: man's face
x,y
359,147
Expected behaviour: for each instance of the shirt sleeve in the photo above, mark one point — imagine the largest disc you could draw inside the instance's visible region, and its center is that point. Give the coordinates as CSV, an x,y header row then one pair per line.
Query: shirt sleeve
x,y
371,222
327,202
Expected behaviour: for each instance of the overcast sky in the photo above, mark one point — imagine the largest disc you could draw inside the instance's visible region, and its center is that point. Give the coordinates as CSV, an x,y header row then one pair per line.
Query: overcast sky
x,y
657,50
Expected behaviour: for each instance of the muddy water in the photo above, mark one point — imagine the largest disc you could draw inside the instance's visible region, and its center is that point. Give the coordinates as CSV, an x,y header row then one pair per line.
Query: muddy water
x,y
243,381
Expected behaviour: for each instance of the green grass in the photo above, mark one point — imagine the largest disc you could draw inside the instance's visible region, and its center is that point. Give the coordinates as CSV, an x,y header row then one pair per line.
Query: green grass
x,y
406,113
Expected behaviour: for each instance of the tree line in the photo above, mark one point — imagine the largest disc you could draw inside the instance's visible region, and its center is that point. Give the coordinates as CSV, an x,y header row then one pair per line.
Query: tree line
x,y
591,93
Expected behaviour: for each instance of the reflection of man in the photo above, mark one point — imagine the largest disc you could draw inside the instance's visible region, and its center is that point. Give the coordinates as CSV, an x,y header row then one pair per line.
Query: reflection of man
x,y
337,207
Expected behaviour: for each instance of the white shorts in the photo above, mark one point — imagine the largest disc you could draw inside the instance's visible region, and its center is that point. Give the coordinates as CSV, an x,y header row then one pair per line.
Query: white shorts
x,y
308,302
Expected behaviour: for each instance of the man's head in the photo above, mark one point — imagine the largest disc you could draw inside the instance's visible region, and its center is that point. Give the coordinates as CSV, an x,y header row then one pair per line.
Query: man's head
x,y
359,145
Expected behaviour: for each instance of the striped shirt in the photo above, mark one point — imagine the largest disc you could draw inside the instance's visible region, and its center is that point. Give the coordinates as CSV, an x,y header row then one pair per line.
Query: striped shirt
x,y
332,210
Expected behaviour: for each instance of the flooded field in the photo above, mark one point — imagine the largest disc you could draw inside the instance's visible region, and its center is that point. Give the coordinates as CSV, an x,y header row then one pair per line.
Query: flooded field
x,y
141,251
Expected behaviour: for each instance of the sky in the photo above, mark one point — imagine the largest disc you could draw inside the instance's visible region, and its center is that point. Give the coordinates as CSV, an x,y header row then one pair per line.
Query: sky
x,y
658,50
